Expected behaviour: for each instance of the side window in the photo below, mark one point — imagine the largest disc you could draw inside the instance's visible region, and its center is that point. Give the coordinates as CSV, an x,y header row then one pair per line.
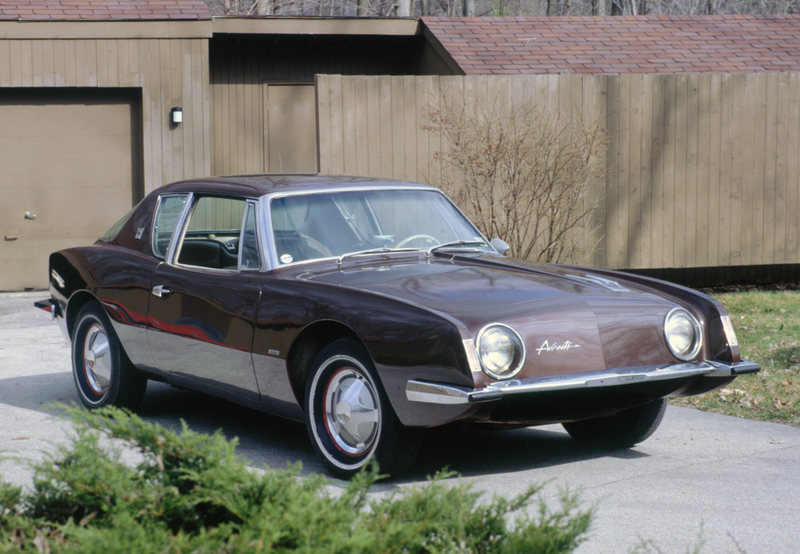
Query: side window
x,y
249,242
213,233
167,214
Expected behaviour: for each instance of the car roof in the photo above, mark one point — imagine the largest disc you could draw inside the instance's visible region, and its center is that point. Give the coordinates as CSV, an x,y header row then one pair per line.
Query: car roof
x,y
260,185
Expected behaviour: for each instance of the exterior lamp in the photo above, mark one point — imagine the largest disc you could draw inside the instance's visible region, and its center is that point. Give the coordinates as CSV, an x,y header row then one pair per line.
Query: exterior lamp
x,y
176,115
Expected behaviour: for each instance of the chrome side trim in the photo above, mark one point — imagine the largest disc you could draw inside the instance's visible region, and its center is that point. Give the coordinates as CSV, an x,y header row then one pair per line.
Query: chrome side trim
x,y
437,393
432,393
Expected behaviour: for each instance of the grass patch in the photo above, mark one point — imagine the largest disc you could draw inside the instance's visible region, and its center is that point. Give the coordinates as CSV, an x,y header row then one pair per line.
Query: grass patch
x,y
767,325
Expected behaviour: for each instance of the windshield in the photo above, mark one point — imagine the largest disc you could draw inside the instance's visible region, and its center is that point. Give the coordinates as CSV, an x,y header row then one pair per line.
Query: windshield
x,y
323,225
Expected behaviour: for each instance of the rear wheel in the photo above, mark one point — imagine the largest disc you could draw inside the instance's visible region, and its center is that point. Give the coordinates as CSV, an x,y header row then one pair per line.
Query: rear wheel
x,y
349,418
622,430
103,374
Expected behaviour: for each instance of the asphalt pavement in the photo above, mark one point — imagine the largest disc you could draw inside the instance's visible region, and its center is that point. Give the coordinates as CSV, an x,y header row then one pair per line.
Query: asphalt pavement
x,y
728,483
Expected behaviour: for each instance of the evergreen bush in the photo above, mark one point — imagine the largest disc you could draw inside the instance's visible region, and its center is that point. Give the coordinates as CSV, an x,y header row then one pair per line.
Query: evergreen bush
x,y
190,492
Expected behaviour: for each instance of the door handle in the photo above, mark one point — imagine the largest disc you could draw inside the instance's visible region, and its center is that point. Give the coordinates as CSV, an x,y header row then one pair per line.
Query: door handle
x,y
161,290
29,215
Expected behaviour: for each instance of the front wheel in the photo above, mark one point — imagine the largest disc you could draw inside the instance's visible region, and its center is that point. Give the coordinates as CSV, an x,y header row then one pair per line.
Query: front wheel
x,y
103,374
621,430
349,418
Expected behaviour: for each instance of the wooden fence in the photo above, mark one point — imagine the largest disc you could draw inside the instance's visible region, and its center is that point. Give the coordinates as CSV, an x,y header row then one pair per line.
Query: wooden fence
x,y
703,170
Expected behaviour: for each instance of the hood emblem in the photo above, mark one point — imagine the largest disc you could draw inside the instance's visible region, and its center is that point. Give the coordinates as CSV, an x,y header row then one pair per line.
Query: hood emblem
x,y
556,347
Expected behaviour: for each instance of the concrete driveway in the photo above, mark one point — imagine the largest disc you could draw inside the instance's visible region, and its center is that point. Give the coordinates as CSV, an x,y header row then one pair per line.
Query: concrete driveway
x,y
731,483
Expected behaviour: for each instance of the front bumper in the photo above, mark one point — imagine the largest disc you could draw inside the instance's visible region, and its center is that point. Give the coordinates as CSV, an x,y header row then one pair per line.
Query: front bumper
x,y
437,393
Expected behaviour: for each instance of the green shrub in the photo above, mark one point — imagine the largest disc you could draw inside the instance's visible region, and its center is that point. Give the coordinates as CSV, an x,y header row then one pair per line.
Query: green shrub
x,y
189,492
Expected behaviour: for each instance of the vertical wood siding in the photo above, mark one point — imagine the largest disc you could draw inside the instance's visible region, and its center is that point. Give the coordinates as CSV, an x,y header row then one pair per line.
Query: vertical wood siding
x,y
704,170
243,67
169,72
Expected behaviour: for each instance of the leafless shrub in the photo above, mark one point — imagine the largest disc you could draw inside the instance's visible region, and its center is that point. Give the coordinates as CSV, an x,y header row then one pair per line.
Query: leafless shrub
x,y
520,174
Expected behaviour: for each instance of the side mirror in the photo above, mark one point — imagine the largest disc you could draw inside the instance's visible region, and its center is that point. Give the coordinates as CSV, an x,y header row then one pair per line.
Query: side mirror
x,y
501,246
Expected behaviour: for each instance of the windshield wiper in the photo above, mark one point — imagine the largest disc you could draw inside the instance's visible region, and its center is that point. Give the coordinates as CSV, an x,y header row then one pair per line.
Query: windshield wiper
x,y
381,250
455,243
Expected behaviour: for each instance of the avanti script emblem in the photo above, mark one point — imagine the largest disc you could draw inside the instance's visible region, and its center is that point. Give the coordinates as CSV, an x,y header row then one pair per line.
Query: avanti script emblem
x,y
556,347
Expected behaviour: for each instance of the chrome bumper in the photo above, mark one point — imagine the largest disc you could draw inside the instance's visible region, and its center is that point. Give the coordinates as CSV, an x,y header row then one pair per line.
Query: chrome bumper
x,y
435,393
50,306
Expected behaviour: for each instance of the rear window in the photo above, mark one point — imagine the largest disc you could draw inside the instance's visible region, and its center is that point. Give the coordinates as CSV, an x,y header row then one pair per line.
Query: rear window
x,y
111,234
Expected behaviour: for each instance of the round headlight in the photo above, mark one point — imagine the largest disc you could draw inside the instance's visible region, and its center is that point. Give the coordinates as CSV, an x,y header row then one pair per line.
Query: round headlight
x,y
683,335
501,351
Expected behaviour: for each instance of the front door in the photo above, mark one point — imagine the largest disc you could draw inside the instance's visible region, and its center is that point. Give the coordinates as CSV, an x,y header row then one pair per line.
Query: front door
x,y
203,304
201,327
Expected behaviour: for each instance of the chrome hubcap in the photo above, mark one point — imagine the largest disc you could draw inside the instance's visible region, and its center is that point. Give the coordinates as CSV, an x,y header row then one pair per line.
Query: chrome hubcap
x,y
352,411
97,361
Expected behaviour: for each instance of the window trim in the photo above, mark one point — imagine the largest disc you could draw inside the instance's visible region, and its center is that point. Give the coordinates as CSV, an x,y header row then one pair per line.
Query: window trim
x,y
182,224
251,207
178,224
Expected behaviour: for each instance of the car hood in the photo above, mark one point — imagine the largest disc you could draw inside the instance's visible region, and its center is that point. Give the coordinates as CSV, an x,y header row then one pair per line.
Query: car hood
x,y
569,317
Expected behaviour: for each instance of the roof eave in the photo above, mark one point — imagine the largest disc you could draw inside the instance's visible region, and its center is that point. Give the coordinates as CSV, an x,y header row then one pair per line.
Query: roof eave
x,y
266,25
105,29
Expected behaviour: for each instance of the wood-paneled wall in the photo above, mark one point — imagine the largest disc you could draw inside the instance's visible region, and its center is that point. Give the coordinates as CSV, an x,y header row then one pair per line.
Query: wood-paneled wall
x,y
704,170
243,67
169,72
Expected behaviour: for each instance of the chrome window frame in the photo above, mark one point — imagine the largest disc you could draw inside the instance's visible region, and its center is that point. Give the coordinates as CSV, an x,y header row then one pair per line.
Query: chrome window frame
x,y
187,198
252,205
182,224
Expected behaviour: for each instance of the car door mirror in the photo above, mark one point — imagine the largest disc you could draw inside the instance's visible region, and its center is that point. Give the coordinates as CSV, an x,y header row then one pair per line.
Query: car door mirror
x,y
501,246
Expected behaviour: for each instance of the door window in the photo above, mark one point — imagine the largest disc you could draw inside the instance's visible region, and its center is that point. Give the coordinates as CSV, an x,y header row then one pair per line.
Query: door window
x,y
218,232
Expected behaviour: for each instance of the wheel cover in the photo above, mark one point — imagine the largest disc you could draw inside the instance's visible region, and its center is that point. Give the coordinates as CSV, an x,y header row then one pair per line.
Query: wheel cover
x,y
351,411
97,359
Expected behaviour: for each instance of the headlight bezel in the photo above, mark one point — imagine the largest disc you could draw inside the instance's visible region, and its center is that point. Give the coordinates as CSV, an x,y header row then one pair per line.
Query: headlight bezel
x,y
697,340
517,360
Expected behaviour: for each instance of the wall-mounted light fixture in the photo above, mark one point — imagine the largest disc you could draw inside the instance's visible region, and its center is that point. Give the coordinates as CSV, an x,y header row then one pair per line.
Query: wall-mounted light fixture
x,y
176,115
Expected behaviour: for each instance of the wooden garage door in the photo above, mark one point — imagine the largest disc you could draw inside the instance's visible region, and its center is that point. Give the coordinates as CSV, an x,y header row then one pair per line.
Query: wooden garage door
x,y
69,168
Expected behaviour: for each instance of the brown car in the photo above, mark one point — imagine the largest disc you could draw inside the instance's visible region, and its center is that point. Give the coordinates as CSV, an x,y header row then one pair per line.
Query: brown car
x,y
372,309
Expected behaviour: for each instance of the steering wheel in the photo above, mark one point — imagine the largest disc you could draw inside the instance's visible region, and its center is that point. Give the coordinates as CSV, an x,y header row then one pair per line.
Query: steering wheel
x,y
415,237
314,244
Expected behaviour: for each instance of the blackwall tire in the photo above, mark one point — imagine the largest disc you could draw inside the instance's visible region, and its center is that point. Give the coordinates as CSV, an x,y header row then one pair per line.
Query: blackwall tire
x,y
103,374
349,418
622,430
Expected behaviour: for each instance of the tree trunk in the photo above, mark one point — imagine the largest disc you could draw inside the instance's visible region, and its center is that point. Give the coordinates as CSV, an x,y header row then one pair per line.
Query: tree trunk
x,y
599,7
264,7
469,8
404,8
